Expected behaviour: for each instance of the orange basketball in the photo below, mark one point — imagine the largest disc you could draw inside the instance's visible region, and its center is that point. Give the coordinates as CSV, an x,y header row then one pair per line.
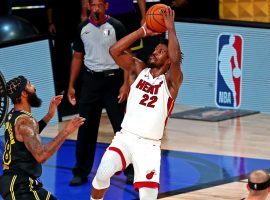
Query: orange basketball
x,y
154,18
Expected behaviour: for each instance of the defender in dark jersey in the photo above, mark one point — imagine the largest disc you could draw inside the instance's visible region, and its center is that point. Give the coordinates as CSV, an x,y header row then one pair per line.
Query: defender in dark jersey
x,y
24,153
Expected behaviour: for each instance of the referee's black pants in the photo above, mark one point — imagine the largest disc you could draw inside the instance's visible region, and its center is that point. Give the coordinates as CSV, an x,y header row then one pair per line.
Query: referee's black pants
x,y
98,91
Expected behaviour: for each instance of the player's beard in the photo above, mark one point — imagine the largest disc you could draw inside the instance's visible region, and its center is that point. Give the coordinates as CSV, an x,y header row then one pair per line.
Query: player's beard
x,y
96,16
151,62
151,65
33,99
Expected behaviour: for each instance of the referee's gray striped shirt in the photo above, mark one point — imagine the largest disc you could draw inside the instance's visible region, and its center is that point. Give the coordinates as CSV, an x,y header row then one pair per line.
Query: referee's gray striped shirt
x,y
95,42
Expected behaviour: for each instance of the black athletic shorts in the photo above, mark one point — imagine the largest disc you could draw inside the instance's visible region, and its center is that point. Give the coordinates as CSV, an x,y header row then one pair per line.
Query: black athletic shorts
x,y
20,187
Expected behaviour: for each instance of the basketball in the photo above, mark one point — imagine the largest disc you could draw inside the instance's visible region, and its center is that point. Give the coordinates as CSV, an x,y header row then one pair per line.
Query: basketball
x,y
154,18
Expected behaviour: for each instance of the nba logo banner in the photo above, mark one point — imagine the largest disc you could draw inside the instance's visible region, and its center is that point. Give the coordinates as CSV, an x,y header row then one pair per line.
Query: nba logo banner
x,y
229,70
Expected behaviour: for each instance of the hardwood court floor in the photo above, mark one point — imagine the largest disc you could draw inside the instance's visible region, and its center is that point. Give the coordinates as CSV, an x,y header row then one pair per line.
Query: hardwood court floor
x,y
241,137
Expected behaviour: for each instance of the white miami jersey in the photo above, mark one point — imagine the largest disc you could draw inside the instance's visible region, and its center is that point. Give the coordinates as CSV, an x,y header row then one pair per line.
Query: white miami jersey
x,y
149,105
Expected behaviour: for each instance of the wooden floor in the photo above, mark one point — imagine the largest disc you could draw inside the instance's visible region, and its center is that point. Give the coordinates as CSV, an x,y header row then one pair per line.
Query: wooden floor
x,y
246,137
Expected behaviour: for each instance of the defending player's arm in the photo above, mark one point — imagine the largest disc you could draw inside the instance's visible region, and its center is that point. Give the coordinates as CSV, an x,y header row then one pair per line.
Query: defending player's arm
x,y
174,76
26,129
120,52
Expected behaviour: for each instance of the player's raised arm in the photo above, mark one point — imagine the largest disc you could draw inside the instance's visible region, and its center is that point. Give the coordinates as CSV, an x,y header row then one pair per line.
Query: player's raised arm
x,y
174,75
120,52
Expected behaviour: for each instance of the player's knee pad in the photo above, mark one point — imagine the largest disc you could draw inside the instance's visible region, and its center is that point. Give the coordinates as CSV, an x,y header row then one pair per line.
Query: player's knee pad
x,y
110,164
148,193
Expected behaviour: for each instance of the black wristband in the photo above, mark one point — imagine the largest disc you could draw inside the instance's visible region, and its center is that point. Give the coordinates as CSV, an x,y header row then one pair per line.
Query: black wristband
x,y
41,125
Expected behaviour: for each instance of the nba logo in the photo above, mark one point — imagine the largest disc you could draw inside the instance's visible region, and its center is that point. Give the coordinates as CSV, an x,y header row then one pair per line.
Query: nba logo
x,y
229,70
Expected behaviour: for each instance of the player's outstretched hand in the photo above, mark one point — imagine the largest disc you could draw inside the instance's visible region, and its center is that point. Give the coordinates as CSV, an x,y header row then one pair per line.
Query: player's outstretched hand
x,y
54,104
74,124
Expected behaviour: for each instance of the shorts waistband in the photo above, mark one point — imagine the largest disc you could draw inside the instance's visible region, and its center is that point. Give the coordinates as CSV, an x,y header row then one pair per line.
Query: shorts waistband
x,y
128,133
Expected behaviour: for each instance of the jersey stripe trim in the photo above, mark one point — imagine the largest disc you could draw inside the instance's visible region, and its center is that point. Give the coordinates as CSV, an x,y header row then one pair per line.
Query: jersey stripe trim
x,y
138,185
23,115
166,86
170,106
11,188
48,196
31,189
124,164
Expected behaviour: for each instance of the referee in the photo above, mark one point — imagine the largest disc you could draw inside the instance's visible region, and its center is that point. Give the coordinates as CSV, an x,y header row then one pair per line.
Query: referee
x,y
102,84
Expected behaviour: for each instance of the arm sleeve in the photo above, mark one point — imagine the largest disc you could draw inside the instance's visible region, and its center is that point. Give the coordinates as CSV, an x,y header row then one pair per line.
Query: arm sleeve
x,y
120,29
41,125
78,43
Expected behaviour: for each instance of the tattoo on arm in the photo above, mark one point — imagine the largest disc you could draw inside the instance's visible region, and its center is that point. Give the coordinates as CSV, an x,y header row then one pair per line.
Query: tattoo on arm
x,y
27,127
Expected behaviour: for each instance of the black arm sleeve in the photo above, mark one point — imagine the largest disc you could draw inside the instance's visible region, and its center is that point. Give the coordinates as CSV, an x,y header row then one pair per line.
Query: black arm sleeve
x,y
78,43
119,28
41,125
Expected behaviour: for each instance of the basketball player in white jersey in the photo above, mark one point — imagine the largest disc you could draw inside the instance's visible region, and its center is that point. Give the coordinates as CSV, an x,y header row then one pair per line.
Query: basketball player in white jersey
x,y
149,104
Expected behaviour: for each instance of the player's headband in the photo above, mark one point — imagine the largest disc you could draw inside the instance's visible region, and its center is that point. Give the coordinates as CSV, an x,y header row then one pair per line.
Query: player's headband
x,y
15,86
259,186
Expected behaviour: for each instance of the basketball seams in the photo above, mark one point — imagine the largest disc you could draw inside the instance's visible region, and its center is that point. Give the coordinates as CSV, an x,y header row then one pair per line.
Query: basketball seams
x,y
151,11
159,23
149,18
151,23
